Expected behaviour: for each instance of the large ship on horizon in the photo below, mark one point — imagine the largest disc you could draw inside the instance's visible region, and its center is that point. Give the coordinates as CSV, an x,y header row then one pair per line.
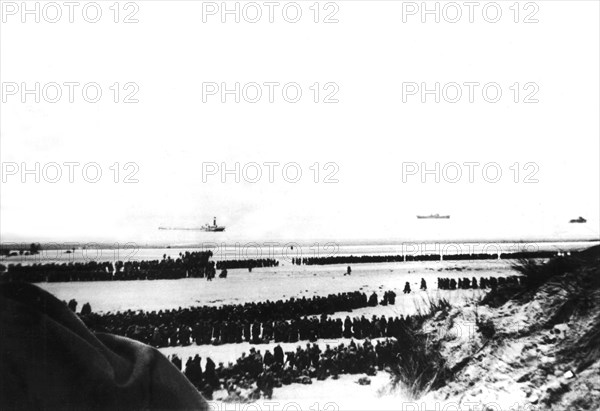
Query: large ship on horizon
x,y
214,228
433,216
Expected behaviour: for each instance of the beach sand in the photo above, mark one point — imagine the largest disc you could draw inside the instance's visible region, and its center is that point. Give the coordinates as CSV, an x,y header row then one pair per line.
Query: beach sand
x,y
285,282
276,283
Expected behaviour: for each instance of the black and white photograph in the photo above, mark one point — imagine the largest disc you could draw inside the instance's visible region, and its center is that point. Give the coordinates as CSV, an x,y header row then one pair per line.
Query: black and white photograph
x,y
309,205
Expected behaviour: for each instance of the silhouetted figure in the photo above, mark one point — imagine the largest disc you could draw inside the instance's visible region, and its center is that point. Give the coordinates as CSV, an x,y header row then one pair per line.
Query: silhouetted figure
x,y
423,284
209,374
373,300
86,309
73,305
278,355
407,288
176,361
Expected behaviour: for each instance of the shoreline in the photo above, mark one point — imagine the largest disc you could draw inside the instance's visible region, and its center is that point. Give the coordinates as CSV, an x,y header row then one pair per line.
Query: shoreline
x,y
108,245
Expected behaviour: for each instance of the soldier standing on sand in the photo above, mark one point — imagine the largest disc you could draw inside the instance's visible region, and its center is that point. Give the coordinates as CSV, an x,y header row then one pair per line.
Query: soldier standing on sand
x,y
255,332
373,300
291,359
268,359
189,371
278,354
407,288
209,373
86,309
73,305
392,298
176,361
156,338
453,284
423,284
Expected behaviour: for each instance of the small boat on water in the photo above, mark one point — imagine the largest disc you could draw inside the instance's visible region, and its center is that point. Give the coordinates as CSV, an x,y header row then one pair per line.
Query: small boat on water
x,y
579,220
433,216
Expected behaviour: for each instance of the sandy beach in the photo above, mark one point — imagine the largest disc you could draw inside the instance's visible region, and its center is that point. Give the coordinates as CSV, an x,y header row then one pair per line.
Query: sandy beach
x,y
274,283
284,282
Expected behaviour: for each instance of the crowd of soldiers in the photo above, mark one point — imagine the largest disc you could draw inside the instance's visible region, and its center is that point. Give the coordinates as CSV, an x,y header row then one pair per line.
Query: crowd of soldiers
x,y
55,272
280,331
249,263
359,259
289,321
257,322
197,264
188,264
466,283
259,374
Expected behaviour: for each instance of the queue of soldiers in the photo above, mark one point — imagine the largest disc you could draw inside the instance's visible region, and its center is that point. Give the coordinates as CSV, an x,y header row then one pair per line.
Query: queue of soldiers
x,y
259,374
54,272
358,259
188,264
285,331
466,283
254,322
249,263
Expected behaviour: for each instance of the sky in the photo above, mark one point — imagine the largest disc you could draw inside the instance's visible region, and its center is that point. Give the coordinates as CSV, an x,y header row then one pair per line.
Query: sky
x,y
365,144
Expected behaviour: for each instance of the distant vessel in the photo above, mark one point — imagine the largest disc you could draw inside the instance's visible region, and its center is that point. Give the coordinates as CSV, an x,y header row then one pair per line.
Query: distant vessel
x,y
434,216
214,228
578,220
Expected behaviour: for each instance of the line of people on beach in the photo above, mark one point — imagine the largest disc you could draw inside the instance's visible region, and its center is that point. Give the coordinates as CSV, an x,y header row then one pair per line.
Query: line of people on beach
x,y
227,323
483,283
188,264
284,331
255,375
262,322
249,263
360,259
197,264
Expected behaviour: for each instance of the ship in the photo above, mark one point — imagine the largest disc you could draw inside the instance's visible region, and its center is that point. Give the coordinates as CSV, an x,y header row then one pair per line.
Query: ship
x,y
214,228
433,216
578,220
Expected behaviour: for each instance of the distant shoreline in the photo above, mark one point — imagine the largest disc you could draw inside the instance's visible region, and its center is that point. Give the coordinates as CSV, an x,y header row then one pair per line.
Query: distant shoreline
x,y
92,245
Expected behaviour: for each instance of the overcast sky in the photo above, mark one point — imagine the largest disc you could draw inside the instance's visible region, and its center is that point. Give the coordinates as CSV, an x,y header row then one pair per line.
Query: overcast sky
x,y
368,134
